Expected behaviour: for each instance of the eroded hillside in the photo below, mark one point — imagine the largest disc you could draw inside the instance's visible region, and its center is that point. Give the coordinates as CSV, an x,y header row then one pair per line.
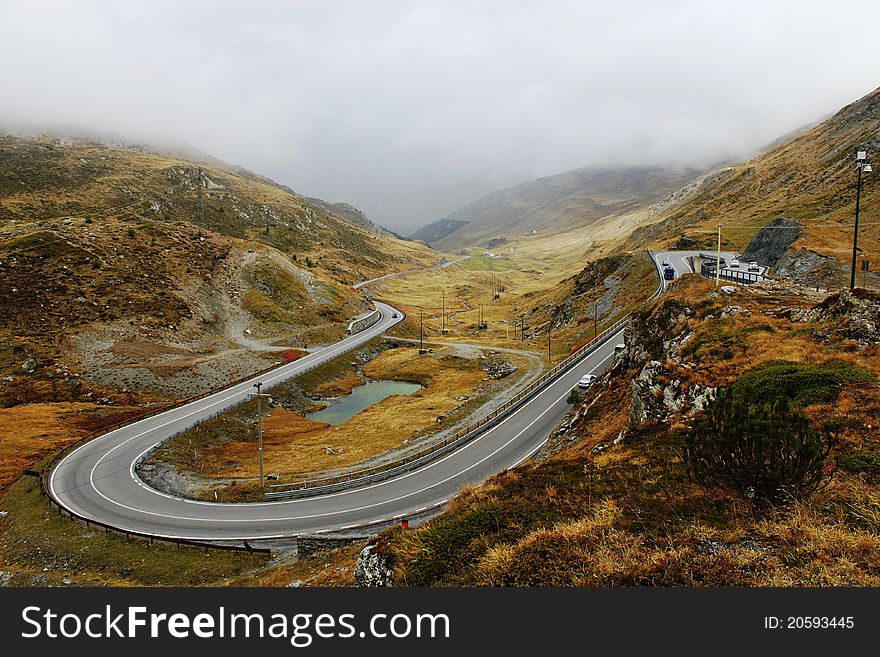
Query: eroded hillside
x,y
128,270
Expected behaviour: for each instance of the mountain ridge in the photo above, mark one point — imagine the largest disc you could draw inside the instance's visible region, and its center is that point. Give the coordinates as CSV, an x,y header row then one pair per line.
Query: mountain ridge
x,y
569,199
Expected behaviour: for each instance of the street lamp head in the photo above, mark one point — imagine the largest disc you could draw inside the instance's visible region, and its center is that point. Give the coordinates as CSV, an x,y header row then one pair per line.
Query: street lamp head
x,y
867,169
861,156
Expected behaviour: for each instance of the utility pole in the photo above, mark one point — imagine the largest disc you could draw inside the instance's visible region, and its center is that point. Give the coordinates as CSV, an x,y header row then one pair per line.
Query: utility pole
x,y
258,385
267,216
595,319
443,314
549,331
522,328
421,331
718,259
862,165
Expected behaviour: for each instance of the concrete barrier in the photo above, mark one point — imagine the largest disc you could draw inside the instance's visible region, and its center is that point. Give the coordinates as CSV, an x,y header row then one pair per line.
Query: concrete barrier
x,y
364,323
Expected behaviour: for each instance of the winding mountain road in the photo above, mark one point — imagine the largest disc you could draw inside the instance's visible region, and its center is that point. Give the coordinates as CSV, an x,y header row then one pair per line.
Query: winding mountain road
x,y
98,480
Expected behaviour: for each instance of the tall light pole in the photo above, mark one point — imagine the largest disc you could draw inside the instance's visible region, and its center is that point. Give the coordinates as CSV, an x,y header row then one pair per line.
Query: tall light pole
x,y
259,397
863,166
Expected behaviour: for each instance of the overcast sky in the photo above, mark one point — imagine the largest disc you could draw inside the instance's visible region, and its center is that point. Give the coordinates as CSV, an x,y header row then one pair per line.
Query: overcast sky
x,y
409,109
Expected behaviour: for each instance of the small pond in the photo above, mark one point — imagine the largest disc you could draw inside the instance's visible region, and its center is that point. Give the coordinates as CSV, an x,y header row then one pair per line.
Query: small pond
x,y
360,398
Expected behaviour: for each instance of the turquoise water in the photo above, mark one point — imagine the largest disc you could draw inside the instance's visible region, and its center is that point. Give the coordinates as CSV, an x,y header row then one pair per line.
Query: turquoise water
x,y
360,398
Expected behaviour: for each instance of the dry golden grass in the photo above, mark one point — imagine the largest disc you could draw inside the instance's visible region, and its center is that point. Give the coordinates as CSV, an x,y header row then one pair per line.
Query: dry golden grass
x,y
331,568
30,434
631,516
338,387
532,289
295,444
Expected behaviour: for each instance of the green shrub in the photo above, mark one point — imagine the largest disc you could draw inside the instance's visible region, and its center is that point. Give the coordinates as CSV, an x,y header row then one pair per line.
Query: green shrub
x,y
574,397
798,383
862,462
766,452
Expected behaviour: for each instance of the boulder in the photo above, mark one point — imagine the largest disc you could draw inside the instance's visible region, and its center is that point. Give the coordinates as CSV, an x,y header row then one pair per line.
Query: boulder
x,y
30,364
372,569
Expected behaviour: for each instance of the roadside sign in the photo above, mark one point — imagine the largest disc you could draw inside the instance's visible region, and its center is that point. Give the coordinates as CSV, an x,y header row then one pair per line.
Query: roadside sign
x,y
864,265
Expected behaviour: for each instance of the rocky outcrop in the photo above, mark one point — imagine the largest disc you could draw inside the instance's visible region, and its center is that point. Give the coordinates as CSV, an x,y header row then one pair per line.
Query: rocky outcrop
x,y
372,568
812,269
772,242
596,272
30,364
855,313
655,398
654,342
497,368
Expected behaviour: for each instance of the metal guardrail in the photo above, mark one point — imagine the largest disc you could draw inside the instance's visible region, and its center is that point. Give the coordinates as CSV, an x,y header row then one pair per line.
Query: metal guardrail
x,y
744,277
353,479
308,488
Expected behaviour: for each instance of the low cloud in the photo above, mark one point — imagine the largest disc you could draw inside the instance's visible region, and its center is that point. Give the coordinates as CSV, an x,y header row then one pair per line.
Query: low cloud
x,y
409,109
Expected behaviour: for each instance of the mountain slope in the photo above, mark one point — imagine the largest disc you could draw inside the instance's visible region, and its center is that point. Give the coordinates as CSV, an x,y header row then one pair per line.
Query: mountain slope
x,y
810,178
126,268
567,200
437,230
610,501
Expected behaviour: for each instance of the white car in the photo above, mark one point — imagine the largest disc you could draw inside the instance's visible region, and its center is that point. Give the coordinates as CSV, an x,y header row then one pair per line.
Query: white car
x,y
734,264
586,381
753,266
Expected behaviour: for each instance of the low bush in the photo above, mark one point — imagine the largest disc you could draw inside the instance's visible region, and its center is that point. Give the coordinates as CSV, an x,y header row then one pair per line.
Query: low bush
x,y
767,452
800,384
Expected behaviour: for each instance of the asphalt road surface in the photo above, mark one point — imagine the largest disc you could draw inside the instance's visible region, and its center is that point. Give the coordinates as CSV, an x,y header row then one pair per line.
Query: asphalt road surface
x,y
98,480
679,261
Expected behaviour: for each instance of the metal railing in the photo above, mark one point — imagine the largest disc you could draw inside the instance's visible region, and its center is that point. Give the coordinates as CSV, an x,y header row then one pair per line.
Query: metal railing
x,y
744,277
356,478
320,485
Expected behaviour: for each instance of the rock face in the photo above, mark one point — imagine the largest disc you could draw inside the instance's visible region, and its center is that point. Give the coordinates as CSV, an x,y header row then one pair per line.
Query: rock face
x,y
656,399
596,272
857,313
812,268
653,341
372,569
772,241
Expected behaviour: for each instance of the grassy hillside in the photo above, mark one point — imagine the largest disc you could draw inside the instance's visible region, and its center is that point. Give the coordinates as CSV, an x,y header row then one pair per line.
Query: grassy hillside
x,y
562,202
48,178
615,504
437,230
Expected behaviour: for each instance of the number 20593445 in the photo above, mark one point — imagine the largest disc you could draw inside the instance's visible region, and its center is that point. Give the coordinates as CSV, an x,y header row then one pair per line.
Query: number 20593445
x,y
809,622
